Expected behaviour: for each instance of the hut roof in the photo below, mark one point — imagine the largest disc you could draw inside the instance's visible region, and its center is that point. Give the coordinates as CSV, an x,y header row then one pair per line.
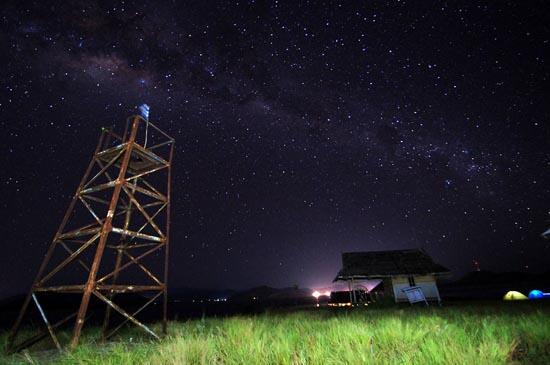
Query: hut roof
x,y
380,264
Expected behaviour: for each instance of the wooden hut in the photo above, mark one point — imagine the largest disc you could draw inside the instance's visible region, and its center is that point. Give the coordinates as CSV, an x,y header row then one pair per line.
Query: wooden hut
x,y
398,269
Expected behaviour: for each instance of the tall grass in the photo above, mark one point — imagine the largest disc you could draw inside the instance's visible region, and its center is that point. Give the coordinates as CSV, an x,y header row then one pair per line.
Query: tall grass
x,y
469,334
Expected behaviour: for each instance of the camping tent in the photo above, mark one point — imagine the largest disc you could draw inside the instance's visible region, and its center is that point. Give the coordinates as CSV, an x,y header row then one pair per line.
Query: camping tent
x,y
514,295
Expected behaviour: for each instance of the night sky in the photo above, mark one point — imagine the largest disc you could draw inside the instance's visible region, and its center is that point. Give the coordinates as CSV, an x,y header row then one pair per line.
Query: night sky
x,y
303,129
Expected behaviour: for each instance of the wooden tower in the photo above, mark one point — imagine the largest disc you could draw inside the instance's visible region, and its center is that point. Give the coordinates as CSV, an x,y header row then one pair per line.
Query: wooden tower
x,y
113,240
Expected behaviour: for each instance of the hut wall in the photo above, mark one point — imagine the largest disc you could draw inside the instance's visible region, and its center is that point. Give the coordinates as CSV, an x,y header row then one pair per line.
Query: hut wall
x,y
426,282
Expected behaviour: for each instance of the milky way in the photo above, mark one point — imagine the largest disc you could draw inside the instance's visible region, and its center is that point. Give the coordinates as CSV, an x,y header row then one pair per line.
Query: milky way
x,y
303,129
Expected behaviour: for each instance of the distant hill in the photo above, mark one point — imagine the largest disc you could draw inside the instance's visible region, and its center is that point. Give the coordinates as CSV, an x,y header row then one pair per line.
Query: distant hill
x,y
493,285
188,294
493,278
259,293
269,294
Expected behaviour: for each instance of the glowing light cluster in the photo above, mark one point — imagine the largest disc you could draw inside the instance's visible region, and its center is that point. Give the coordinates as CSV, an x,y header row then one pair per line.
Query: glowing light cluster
x,y
318,294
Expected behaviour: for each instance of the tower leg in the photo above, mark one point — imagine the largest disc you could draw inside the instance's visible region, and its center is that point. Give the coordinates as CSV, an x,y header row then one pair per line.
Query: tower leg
x,y
106,229
118,261
167,247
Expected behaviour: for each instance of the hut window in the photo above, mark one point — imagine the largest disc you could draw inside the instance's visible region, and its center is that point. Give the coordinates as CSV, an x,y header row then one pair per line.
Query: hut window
x,y
411,281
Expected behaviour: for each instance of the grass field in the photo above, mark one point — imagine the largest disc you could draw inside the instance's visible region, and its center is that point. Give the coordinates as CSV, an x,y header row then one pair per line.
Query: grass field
x,y
517,333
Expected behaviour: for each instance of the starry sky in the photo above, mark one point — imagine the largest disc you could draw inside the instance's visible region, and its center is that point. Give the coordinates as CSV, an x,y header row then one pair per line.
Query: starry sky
x,y
303,129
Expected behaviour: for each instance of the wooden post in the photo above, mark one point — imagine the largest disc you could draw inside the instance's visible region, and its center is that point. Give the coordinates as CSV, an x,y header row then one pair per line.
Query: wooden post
x,y
388,287
350,294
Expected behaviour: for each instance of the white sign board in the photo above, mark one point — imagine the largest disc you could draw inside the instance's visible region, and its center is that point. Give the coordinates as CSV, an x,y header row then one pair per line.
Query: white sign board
x,y
415,294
